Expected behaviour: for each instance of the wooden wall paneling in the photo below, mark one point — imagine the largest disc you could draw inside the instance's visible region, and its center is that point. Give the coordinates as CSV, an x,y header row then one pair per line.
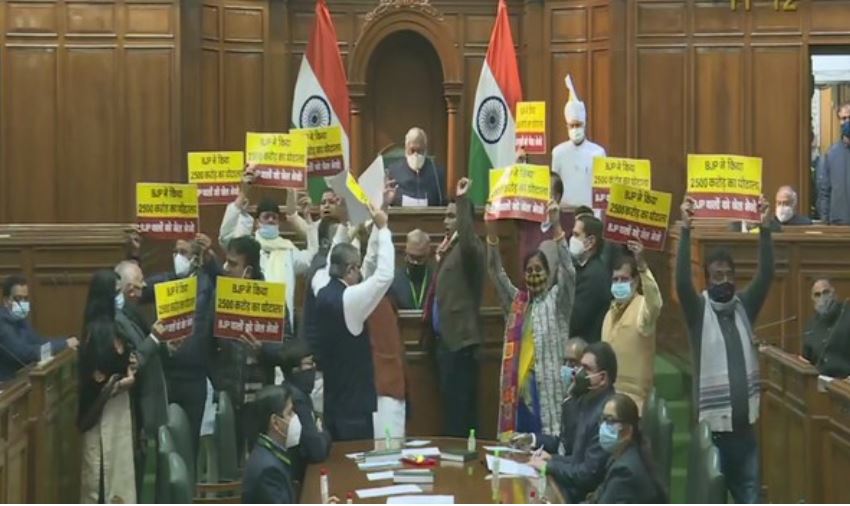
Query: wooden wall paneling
x,y
660,19
776,142
15,424
719,98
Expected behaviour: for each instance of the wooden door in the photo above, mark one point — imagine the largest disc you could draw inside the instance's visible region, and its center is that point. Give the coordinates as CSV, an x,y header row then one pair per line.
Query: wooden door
x,y
405,89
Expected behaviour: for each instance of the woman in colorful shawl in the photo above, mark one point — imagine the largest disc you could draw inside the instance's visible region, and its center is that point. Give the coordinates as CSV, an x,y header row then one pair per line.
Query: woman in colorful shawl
x,y
536,331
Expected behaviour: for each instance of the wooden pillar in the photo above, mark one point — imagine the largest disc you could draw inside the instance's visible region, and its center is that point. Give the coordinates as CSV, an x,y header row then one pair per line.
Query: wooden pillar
x,y
453,93
357,94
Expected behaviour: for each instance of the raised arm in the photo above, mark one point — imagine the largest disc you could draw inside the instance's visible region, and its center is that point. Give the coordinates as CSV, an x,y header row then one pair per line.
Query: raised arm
x,y
754,295
472,251
361,299
565,274
304,257
651,293
688,297
370,261
505,289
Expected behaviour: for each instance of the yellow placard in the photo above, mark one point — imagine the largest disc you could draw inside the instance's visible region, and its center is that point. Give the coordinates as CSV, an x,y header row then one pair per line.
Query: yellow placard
x,y
216,166
608,171
176,298
251,298
639,205
276,150
724,174
324,150
166,200
520,180
356,189
519,192
530,117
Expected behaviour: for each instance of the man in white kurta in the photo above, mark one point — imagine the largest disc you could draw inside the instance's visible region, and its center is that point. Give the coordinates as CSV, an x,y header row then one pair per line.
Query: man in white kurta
x,y
573,159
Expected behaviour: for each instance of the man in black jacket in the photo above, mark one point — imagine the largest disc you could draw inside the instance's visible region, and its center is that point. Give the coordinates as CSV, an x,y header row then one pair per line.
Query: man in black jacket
x,y
299,371
593,279
827,338
583,469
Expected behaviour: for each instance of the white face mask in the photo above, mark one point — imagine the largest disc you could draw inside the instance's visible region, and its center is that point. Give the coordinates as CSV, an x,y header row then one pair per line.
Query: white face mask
x,y
119,301
577,135
415,160
577,247
182,265
784,213
293,432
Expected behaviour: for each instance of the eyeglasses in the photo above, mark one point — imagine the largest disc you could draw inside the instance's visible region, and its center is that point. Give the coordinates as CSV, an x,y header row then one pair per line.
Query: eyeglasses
x,y
611,419
820,294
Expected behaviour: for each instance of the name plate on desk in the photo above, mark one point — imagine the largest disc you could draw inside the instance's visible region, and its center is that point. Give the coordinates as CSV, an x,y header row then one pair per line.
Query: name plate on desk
x,y
46,353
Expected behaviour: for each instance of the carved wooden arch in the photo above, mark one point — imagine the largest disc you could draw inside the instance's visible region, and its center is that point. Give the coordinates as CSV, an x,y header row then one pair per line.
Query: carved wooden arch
x,y
404,15
420,17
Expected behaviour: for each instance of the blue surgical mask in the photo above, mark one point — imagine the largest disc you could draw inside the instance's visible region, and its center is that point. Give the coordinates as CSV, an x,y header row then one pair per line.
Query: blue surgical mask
x,y
119,301
567,375
609,436
269,231
621,290
20,310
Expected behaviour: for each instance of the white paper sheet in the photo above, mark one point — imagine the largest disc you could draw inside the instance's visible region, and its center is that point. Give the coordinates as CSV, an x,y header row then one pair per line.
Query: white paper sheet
x,y
354,456
417,443
413,202
382,475
357,211
363,466
431,451
367,493
510,467
422,499
372,182
504,449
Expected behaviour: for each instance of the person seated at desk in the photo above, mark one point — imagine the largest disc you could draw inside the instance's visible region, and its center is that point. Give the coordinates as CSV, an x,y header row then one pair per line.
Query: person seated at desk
x,y
20,345
562,443
268,477
785,214
420,182
299,372
583,469
410,285
826,342
630,478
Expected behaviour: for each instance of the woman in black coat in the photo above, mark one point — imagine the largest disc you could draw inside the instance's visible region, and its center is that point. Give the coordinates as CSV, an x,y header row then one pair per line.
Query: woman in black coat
x,y
630,477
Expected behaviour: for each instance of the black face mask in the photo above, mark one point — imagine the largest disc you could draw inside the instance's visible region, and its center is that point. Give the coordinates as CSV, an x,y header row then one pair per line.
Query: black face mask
x,y
722,292
303,380
416,272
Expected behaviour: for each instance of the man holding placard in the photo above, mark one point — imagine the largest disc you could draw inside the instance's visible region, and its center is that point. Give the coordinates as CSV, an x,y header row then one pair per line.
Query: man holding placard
x,y
720,324
573,159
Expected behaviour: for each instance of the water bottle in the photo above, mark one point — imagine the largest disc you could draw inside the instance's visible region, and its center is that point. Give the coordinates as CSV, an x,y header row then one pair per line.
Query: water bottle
x,y
323,486
470,442
496,477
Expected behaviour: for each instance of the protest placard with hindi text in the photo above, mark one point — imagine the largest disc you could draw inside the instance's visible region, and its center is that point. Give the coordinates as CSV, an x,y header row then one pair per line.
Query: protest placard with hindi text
x,y
637,214
725,186
175,307
217,174
167,211
281,159
609,171
519,192
531,126
245,306
324,150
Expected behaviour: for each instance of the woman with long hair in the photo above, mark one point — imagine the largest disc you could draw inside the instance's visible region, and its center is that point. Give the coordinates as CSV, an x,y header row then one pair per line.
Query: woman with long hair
x,y
630,477
106,373
536,332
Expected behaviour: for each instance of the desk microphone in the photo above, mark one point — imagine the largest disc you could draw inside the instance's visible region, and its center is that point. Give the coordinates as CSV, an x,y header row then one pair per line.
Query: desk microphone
x,y
778,322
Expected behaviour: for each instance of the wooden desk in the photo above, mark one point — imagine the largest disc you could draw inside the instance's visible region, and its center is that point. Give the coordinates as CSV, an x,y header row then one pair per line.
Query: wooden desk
x,y
14,443
422,379
54,438
465,482
802,255
793,428
836,465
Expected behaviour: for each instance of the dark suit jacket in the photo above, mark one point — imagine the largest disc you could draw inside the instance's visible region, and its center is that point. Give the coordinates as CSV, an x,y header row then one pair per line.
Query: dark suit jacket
x,y
314,445
151,382
402,288
582,471
267,479
835,359
628,481
569,420
460,281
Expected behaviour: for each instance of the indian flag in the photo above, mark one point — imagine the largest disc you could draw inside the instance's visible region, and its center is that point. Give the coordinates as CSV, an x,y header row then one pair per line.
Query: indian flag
x,y
493,126
321,92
